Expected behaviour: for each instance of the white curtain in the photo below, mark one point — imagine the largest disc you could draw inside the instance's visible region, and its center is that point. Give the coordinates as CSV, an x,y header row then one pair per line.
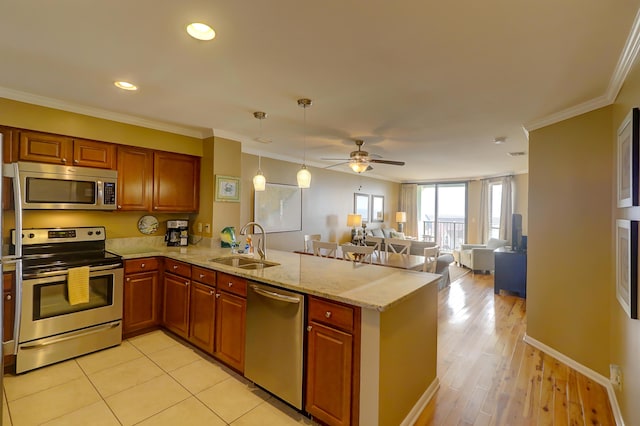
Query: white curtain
x,y
483,217
506,208
409,204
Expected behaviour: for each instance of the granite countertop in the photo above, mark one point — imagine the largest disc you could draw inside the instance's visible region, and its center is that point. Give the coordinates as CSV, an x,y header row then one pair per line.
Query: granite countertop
x,y
364,285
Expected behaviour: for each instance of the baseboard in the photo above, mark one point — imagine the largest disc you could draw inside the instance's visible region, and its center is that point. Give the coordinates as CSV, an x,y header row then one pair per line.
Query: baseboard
x,y
593,375
417,409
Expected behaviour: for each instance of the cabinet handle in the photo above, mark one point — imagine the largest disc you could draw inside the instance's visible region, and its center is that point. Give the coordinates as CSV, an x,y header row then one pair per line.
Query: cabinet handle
x,y
75,161
201,275
119,206
9,297
230,284
327,314
175,267
186,283
217,295
64,160
128,279
309,328
212,292
142,265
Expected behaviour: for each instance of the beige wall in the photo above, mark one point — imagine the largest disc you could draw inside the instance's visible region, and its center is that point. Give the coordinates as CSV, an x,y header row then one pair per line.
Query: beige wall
x,y
625,332
569,252
325,204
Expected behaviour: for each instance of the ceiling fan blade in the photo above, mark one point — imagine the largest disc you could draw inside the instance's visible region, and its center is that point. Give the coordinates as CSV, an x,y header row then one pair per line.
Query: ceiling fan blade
x,y
337,164
393,163
335,159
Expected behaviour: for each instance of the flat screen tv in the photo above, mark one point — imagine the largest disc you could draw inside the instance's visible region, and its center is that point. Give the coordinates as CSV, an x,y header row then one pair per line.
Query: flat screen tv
x,y
516,232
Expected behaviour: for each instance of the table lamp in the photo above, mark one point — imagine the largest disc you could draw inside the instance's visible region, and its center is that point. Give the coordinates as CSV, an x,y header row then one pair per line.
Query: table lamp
x,y
354,221
401,218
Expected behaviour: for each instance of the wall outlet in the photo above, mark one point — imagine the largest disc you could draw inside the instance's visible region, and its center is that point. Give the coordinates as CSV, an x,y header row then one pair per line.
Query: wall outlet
x,y
615,375
207,228
199,227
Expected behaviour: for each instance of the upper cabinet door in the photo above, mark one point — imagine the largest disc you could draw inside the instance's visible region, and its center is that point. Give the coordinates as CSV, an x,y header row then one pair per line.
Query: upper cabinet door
x,y
94,154
176,182
135,178
45,148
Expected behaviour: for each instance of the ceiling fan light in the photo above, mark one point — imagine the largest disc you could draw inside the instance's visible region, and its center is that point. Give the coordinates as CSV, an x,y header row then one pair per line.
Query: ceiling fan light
x,y
259,182
358,166
304,177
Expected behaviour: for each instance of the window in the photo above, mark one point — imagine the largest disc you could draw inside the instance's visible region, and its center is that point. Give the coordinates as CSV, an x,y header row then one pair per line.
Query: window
x,y
442,214
495,209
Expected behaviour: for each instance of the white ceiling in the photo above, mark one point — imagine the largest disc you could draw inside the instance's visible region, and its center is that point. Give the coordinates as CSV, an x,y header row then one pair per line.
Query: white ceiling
x,y
431,83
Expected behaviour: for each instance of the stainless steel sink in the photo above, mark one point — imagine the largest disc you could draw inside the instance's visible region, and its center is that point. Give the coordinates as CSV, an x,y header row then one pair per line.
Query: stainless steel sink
x,y
243,262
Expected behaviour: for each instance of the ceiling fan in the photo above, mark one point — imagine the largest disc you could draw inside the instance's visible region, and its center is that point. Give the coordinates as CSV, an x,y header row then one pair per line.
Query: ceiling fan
x,y
360,161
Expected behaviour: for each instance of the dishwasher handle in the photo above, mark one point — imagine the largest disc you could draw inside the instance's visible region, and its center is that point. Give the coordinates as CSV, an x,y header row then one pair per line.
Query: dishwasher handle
x,y
274,295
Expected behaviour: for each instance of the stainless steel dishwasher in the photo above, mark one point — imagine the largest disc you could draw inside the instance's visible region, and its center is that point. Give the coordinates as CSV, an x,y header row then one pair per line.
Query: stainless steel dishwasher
x,y
274,341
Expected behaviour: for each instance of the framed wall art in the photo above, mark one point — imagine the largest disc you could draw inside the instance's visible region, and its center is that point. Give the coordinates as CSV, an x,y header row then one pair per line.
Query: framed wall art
x,y
227,188
377,208
361,205
627,266
278,208
629,160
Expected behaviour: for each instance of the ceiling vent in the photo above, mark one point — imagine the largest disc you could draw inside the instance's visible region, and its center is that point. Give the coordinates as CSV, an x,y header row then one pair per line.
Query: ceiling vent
x,y
516,154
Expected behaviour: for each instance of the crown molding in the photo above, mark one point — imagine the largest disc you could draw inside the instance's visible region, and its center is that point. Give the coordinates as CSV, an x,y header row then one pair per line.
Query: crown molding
x,y
626,60
44,101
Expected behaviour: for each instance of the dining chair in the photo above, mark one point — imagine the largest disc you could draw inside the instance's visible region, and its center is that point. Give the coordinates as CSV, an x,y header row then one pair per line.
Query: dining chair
x,y
358,254
377,244
324,248
307,239
397,245
430,259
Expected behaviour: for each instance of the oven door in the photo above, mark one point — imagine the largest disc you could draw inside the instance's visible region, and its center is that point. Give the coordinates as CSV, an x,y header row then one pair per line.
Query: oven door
x,y
46,310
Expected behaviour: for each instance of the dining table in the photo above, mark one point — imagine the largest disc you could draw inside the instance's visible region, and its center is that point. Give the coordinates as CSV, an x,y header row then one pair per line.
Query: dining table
x,y
383,258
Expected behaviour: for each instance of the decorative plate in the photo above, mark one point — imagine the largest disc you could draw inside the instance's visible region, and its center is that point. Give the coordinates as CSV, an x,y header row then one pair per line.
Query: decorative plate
x,y
148,224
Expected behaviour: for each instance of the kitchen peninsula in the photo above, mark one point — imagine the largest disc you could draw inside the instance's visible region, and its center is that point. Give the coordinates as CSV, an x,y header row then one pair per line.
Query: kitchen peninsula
x,y
396,346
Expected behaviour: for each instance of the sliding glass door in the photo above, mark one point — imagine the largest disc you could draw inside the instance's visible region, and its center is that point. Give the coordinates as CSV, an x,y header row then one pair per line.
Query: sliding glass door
x,y
442,214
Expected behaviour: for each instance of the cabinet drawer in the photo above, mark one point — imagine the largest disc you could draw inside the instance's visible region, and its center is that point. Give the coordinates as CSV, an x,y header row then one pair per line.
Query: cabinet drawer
x,y
140,265
331,313
232,284
206,276
178,268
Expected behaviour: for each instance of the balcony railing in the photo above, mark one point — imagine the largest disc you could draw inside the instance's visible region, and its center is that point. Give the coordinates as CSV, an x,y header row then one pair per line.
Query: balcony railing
x,y
448,235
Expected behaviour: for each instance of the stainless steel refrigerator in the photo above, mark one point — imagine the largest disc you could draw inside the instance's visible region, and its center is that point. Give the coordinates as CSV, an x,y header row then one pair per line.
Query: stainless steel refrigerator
x,y
8,261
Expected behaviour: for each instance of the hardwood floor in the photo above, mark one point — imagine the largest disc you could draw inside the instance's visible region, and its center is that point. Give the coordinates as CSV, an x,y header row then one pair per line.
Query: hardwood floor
x,y
490,376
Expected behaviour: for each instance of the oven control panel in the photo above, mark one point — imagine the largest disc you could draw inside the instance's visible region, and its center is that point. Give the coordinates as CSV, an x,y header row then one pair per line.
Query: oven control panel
x,y
60,235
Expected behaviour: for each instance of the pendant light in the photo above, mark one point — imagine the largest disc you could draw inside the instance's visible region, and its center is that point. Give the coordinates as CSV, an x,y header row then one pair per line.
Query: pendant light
x,y
259,181
304,176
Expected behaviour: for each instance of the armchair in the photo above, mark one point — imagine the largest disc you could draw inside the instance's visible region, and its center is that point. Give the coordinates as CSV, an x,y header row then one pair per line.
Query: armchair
x,y
480,256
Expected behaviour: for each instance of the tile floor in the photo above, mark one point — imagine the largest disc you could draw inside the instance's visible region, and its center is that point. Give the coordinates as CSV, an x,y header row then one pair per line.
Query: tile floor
x,y
151,379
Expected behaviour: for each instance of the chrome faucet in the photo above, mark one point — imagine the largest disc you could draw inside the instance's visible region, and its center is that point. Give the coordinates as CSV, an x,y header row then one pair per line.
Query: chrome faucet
x,y
262,242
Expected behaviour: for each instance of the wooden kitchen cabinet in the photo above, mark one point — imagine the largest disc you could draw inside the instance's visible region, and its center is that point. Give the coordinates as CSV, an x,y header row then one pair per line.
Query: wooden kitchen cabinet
x,y
141,307
9,300
56,149
9,146
157,181
332,362
177,282
135,179
176,182
202,308
231,313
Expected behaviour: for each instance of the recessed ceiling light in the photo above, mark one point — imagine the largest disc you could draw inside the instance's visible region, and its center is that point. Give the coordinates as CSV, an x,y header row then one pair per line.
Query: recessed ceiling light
x,y
125,85
200,31
516,154
500,140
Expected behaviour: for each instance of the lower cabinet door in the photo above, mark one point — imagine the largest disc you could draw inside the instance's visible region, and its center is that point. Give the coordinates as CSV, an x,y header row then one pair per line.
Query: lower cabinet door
x,y
329,374
231,312
141,302
202,316
176,304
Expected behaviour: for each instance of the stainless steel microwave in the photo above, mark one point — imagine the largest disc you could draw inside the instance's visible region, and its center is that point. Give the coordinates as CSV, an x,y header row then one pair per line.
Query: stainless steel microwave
x,y
50,186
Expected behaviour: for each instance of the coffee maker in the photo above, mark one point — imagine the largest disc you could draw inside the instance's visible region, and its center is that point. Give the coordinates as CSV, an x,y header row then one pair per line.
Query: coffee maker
x,y
177,233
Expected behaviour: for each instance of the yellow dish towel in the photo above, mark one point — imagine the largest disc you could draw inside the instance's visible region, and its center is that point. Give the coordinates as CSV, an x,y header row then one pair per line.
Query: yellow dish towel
x,y
78,285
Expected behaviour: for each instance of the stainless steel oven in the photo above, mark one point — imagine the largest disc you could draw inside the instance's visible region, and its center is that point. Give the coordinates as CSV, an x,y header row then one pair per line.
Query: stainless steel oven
x,y
51,328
